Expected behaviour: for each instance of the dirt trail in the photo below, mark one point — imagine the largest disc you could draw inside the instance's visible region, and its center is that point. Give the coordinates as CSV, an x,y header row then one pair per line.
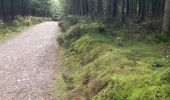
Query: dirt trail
x,y
28,64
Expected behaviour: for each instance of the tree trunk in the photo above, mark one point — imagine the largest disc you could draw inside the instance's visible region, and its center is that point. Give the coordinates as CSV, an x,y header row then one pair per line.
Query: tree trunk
x,y
12,9
123,11
166,21
3,10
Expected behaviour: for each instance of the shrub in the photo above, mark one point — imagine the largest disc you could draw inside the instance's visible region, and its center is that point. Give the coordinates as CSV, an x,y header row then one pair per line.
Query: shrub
x,y
73,20
162,38
3,27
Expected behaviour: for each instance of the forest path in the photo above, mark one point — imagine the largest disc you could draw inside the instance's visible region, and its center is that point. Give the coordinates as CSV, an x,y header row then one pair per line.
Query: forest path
x,y
28,64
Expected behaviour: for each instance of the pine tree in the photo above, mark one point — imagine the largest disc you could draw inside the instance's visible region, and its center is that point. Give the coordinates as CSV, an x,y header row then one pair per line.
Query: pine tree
x,y
166,21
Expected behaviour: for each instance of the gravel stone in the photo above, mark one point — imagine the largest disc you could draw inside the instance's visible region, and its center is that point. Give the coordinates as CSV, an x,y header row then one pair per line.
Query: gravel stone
x,y
28,64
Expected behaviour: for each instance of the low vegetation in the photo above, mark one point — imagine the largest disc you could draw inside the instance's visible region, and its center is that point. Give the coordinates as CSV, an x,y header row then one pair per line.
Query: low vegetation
x,y
106,64
9,29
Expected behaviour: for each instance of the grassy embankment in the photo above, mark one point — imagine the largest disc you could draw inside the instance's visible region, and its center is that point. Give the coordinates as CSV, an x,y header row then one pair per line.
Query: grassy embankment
x,y
105,63
10,29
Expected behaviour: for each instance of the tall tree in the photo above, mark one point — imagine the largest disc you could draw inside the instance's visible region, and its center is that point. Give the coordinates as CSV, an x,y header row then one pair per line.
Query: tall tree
x,y
3,10
10,8
123,11
166,21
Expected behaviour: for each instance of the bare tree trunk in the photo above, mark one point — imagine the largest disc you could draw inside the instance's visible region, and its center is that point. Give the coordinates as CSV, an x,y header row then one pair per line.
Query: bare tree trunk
x,y
12,9
166,21
123,11
3,10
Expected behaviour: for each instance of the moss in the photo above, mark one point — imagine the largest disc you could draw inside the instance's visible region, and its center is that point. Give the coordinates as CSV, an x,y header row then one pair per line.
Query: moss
x,y
103,70
151,93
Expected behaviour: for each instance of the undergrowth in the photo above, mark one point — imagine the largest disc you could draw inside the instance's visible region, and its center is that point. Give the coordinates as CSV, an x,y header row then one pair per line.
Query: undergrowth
x,y
105,64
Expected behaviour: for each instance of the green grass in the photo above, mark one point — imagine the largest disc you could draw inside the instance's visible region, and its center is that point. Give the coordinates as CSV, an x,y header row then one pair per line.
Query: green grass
x,y
60,87
100,69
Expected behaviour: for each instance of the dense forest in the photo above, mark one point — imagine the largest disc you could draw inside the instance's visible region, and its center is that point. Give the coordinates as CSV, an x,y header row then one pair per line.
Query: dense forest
x,y
111,49
40,8
110,10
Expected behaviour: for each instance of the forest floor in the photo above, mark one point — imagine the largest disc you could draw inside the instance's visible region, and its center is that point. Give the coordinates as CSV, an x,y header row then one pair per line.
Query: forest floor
x,y
113,62
28,64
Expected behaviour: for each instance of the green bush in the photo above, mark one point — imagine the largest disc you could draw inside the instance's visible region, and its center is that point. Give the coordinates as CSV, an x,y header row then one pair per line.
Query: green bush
x,y
69,21
3,27
162,38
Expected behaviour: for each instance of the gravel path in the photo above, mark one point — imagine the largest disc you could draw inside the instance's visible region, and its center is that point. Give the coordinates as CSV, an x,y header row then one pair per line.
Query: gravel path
x,y
28,64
